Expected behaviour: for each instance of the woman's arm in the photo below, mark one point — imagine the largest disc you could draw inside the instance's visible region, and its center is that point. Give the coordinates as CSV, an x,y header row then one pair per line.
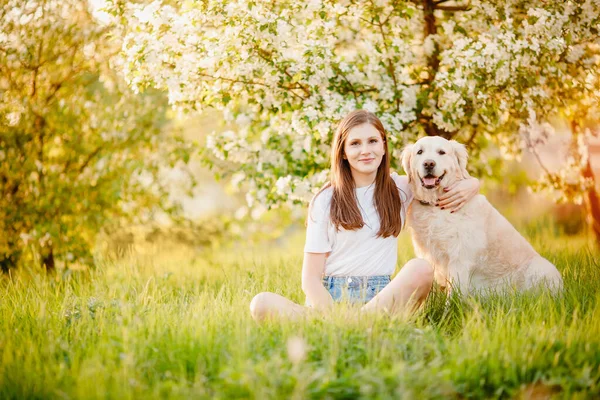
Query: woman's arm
x,y
458,194
312,272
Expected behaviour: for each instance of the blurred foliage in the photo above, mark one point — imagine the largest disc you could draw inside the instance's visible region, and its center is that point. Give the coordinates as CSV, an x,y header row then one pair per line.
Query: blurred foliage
x,y
79,151
511,194
218,231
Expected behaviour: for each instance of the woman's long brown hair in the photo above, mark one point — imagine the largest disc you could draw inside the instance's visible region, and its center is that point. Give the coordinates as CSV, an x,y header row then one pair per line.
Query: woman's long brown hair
x,y
344,210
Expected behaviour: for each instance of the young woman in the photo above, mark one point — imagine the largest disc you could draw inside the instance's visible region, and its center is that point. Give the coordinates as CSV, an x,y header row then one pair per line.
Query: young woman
x,y
352,228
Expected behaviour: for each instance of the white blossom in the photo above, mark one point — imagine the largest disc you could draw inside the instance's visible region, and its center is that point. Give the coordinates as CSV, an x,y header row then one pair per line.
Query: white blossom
x,y
283,74
283,185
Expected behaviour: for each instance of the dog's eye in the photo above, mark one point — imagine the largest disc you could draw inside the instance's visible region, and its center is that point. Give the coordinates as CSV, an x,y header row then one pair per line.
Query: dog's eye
x,y
442,152
420,152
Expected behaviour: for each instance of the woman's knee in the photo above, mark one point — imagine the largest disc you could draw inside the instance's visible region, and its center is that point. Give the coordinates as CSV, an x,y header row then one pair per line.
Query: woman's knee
x,y
421,272
259,306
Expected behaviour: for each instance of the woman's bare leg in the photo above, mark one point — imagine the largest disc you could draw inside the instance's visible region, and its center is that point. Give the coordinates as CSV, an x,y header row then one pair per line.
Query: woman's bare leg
x,y
267,304
406,291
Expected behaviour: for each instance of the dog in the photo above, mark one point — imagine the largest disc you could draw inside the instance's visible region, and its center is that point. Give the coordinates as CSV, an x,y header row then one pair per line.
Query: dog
x,y
474,249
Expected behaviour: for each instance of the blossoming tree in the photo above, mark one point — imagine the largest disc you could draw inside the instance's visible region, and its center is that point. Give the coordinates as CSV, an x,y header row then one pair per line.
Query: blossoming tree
x,y
283,73
78,151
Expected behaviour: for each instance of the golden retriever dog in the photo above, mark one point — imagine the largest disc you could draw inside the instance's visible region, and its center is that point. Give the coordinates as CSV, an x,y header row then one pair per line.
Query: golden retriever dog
x,y
475,248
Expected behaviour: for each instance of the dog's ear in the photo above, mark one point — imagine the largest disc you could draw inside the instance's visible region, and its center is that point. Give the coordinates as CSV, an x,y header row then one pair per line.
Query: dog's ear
x,y
460,151
406,157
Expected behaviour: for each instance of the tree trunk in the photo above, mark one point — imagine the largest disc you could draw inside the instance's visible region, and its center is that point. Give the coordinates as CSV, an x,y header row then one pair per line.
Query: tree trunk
x,y
433,63
592,204
431,29
48,261
9,261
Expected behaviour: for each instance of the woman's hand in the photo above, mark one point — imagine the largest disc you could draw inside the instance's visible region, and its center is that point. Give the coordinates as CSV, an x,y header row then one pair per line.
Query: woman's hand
x,y
457,195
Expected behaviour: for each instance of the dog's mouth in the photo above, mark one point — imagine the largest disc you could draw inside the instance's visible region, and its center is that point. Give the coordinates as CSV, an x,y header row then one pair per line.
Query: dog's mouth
x,y
430,181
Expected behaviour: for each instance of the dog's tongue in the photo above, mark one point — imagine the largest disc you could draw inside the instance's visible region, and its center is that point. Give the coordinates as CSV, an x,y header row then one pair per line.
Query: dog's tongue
x,y
429,181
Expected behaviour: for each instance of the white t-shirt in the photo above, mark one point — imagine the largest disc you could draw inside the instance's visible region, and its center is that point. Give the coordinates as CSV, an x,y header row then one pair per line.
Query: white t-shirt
x,y
359,252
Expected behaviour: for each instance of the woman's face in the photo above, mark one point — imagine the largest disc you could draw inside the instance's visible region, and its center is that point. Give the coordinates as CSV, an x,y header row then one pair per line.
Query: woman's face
x,y
364,150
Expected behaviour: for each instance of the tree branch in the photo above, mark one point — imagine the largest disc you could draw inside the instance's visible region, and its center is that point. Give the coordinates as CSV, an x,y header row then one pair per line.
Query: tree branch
x,y
452,8
340,73
533,150
592,201
449,135
298,84
245,82
390,68
88,159
367,21
387,18
265,55
40,127
355,92
471,138
37,67
69,75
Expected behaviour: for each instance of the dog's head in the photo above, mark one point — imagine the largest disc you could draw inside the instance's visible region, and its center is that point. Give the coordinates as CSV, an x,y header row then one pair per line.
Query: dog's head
x,y
433,163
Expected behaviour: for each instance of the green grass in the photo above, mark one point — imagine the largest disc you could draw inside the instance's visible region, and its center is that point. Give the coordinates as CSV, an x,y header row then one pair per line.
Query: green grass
x,y
175,324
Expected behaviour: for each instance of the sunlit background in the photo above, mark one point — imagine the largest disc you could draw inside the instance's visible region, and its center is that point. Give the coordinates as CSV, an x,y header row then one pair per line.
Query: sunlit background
x,y
156,162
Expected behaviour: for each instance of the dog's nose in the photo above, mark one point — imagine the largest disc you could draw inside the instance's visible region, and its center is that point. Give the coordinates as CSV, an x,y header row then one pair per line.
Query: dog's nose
x,y
429,165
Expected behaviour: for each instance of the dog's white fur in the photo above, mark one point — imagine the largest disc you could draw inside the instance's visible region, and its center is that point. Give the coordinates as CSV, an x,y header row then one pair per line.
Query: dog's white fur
x,y
474,248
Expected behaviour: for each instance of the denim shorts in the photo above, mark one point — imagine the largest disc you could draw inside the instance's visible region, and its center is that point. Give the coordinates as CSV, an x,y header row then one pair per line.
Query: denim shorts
x,y
354,289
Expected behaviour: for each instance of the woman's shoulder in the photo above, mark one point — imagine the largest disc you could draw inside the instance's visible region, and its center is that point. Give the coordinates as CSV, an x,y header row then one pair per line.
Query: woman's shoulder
x,y
400,180
323,197
403,185
322,200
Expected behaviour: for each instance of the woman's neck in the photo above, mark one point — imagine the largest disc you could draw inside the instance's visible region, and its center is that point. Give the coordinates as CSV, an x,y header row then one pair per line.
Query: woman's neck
x,y
363,180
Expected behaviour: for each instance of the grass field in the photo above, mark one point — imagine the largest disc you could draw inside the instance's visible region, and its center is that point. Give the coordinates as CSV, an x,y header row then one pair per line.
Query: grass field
x,y
173,323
